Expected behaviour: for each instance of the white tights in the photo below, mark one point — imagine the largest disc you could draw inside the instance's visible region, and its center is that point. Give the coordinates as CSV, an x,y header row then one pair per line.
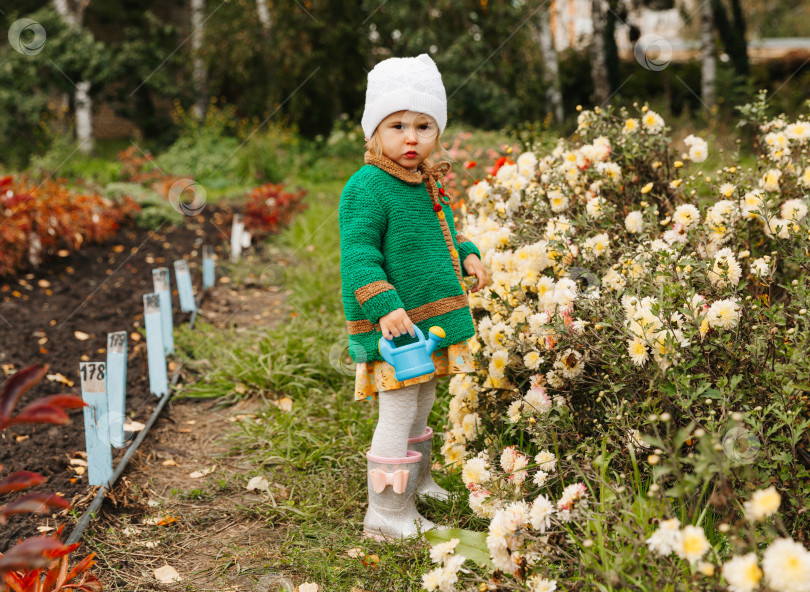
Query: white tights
x,y
403,414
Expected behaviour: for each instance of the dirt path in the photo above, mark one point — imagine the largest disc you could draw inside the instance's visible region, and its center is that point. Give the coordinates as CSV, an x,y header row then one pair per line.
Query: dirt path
x,y
183,500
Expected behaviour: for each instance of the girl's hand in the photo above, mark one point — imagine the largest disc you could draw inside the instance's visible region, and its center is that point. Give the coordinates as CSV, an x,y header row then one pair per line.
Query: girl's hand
x,y
473,266
396,323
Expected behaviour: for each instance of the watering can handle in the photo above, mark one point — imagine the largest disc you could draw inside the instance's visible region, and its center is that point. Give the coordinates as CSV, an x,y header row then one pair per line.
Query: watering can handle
x,y
386,347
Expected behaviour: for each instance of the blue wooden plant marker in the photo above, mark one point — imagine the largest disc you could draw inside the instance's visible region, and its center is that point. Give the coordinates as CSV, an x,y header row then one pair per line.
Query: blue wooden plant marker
x,y
183,279
96,429
208,266
117,386
155,353
162,285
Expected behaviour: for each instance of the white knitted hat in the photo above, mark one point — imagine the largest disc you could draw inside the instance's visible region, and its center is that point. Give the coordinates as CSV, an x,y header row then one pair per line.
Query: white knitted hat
x,y
397,84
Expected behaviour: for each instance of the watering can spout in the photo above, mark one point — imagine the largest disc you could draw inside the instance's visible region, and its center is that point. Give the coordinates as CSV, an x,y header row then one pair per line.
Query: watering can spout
x,y
435,335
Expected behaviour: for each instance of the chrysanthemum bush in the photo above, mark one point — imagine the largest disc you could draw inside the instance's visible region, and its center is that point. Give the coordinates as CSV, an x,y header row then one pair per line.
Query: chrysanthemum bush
x,y
639,417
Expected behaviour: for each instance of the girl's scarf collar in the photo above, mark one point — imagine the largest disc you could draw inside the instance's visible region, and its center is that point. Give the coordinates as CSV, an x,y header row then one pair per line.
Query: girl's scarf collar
x,y
428,172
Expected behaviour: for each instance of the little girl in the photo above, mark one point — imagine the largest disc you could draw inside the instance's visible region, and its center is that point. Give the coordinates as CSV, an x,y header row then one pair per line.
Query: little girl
x,y
401,265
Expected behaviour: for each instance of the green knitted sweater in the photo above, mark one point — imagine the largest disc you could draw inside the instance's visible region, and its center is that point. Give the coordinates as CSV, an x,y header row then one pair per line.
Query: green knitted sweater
x,y
399,249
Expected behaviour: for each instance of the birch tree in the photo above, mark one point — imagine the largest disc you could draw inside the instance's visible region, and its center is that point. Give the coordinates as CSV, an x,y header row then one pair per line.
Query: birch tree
x,y
708,56
599,72
200,75
551,69
73,15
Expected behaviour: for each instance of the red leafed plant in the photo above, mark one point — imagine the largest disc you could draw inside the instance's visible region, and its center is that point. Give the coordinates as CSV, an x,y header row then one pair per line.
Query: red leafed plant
x,y
37,564
269,208
36,219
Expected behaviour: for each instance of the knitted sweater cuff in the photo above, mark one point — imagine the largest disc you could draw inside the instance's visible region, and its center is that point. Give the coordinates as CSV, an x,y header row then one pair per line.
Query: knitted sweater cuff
x,y
465,248
381,304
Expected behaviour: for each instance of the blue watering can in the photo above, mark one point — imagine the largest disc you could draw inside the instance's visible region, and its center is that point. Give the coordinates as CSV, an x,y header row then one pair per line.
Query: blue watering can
x,y
412,360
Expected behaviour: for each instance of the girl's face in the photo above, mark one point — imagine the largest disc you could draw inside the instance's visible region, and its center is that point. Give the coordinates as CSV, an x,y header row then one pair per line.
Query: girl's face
x,y
408,137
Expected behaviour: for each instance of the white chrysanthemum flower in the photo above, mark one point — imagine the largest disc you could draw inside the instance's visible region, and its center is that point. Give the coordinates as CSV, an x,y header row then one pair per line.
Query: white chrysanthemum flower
x,y
770,180
634,222
630,126
441,552
693,544
595,207
723,314
610,170
751,204
513,412
546,461
573,496
686,215
508,456
667,538
742,573
527,164
565,291
595,246
614,280
699,152
555,379
638,352
759,267
539,478
541,513
475,471
498,363
725,271
483,503
471,426
558,200
538,584
479,192
763,503
532,360
537,401
433,579
570,363
787,566
794,209
653,122
799,131
726,189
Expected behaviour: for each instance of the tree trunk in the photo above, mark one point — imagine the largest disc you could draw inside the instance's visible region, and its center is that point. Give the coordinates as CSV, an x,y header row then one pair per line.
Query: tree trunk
x,y
83,104
200,74
551,69
599,74
264,14
732,34
708,56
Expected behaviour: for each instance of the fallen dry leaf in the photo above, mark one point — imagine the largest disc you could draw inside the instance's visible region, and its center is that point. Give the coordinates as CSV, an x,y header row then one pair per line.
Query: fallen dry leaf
x,y
44,284
118,249
79,462
308,587
284,403
159,520
7,368
21,438
184,430
240,388
151,544
129,531
79,470
57,377
203,473
44,529
169,463
133,426
259,483
371,561
135,336
80,453
191,421
167,574
63,253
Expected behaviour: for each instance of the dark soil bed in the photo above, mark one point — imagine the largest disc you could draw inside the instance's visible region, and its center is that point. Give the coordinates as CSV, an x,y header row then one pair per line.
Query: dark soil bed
x,y
95,291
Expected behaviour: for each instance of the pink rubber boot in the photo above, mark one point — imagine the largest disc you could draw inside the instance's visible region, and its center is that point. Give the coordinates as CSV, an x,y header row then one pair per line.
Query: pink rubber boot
x,y
426,486
391,510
